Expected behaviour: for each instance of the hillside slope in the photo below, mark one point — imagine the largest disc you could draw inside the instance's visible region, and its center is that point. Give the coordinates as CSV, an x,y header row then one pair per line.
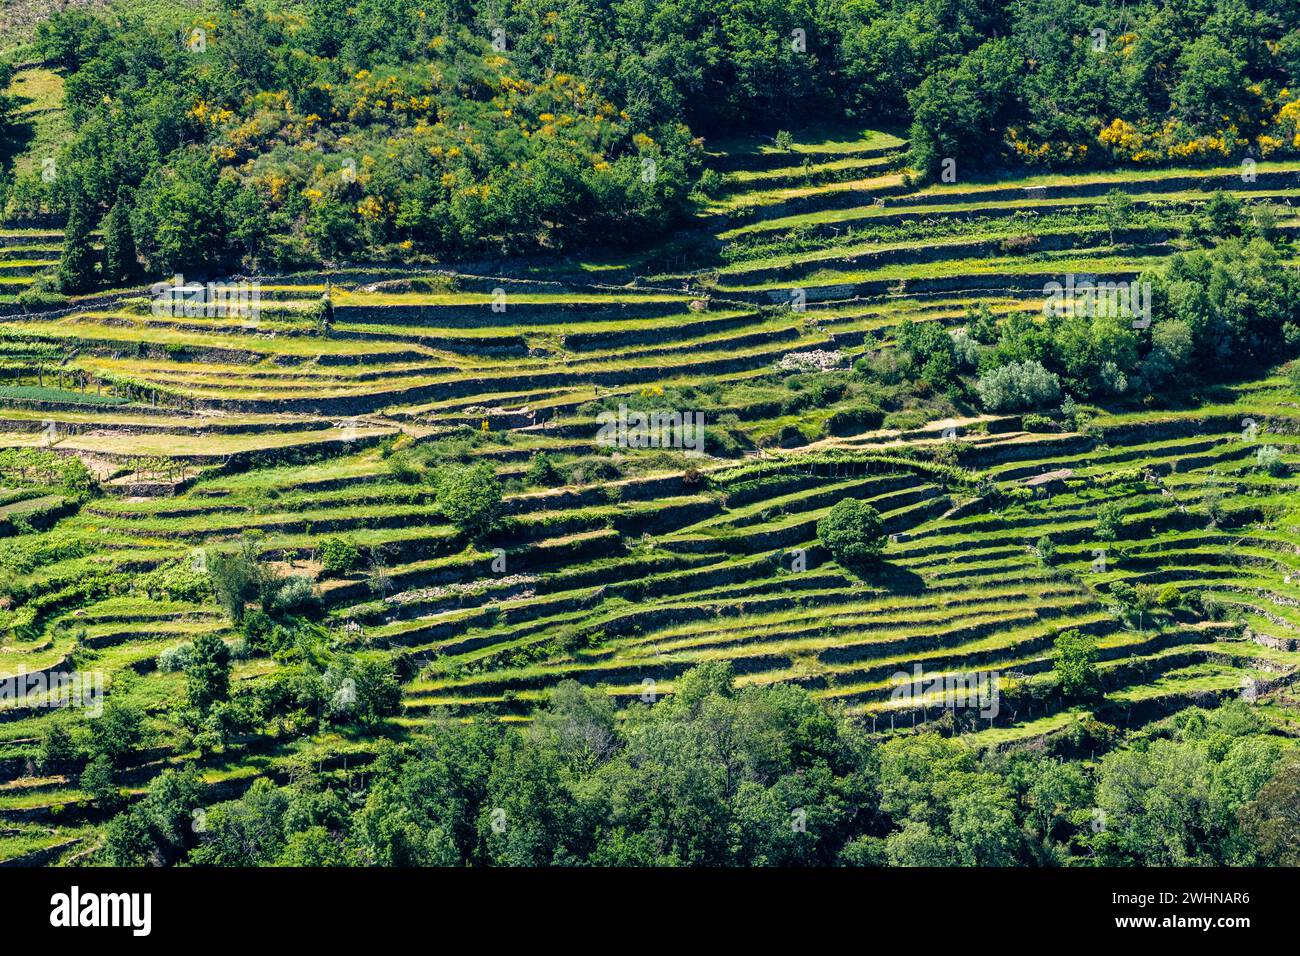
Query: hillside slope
x,y
314,434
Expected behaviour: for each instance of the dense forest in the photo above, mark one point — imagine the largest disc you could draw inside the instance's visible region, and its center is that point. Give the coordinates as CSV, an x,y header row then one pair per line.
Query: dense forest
x,y
716,776
274,134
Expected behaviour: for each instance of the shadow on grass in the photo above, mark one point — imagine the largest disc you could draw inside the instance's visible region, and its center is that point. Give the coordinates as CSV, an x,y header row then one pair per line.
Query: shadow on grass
x,y
892,577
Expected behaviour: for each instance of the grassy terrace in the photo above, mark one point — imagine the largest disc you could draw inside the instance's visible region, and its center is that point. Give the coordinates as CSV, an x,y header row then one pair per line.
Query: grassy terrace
x,y
630,566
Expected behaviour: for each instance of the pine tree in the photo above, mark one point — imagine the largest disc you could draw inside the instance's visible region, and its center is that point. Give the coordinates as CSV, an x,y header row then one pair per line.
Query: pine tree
x,y
77,264
120,262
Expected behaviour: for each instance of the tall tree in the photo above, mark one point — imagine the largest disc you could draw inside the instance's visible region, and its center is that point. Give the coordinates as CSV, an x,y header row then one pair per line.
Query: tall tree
x,y
77,263
120,261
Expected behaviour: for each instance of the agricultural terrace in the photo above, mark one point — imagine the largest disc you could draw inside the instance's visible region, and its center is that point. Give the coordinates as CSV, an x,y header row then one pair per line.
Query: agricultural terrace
x,y
312,438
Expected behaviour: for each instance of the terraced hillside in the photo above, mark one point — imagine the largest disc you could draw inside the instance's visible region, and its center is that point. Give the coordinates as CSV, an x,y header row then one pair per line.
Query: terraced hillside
x,y
1167,532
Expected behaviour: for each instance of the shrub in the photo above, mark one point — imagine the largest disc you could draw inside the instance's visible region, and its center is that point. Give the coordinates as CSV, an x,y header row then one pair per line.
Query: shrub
x,y
236,579
117,733
97,779
859,416
1017,386
175,658
178,581
295,595
339,556
542,471
1110,519
1268,459
207,672
56,748
853,532
1075,665
364,690
1223,214
41,295
470,498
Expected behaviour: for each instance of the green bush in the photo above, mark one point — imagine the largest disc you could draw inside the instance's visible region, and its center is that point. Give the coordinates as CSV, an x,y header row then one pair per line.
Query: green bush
x,y
295,595
1269,460
1075,664
175,658
542,471
853,532
41,295
207,672
1017,386
236,578
177,581
470,498
858,416
339,556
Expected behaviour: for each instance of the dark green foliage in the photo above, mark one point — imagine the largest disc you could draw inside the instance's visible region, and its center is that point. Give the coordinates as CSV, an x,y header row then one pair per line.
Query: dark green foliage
x,y
162,826
116,733
1117,211
1223,215
416,120
363,690
121,263
1179,802
962,112
764,776
56,748
853,532
1271,820
542,470
236,578
1213,314
77,272
99,780
927,350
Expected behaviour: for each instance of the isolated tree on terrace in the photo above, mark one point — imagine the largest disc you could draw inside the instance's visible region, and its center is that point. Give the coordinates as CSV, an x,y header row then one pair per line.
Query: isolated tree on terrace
x,y
1075,665
207,674
1117,210
853,532
470,498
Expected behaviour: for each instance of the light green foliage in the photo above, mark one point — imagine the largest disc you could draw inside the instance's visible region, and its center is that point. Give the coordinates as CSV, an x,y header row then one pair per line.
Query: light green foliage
x,y
1075,664
339,556
1018,386
470,497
